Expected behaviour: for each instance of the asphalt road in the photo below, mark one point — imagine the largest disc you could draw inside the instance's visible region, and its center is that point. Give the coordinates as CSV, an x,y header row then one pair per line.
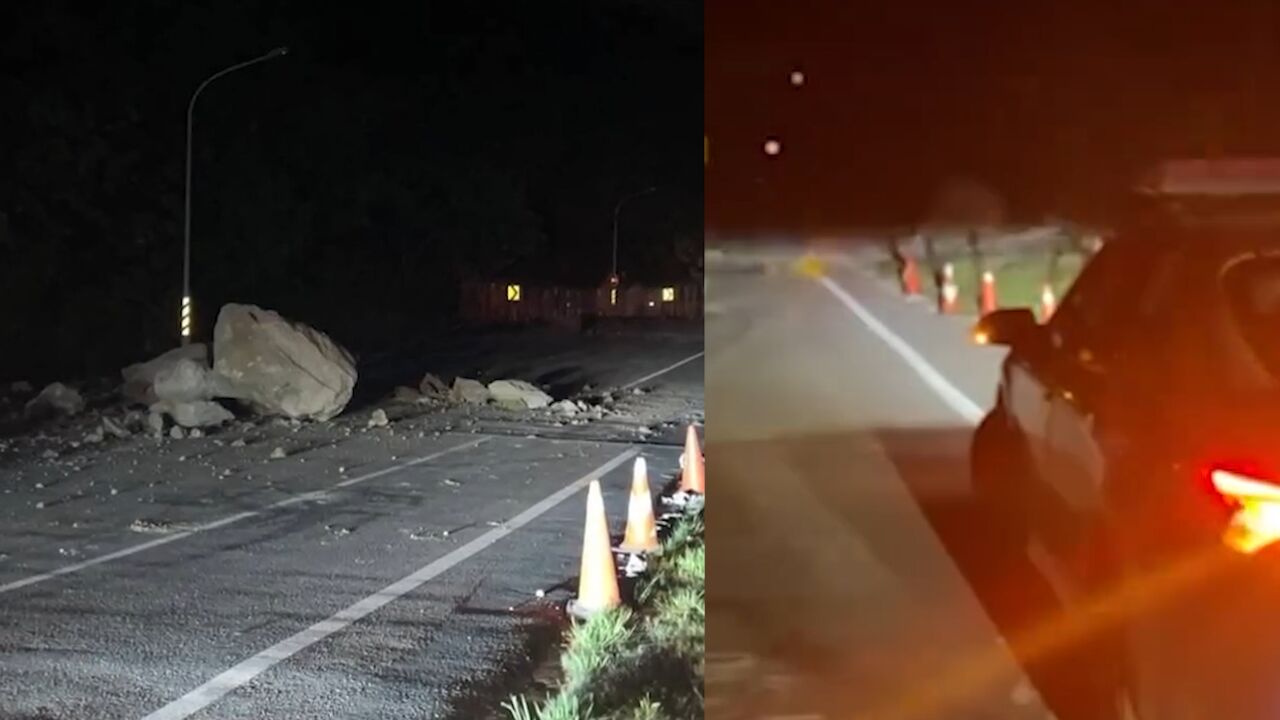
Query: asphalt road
x,y
371,573
852,575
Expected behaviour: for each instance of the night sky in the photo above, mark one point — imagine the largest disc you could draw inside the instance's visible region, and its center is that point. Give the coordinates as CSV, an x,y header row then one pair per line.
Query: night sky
x,y
398,149
1054,104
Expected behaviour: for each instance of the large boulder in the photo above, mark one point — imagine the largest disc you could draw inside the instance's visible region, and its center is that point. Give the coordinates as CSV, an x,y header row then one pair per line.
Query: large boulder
x,y
182,374
281,367
466,390
518,394
55,399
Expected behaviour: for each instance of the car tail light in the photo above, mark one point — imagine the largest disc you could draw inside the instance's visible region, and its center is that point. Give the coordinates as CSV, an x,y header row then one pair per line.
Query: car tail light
x,y
1255,522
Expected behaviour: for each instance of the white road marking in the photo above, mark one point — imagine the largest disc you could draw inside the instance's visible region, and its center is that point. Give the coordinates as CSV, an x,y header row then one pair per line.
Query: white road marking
x,y
950,394
664,370
140,547
237,676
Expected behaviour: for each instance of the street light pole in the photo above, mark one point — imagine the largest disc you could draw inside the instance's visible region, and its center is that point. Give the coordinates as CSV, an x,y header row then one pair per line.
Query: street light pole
x,y
185,312
616,209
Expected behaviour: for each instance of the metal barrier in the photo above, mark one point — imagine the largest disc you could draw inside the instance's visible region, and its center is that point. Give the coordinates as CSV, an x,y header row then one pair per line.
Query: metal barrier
x,y
516,303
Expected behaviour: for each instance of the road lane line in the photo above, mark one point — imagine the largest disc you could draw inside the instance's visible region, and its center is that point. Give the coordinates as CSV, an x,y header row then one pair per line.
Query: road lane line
x,y
664,370
237,676
950,394
140,547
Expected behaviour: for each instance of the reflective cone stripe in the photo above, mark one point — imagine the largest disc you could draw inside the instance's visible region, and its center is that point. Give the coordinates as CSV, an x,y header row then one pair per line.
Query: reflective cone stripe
x,y
911,277
693,469
642,527
949,294
597,580
1048,303
987,297
184,317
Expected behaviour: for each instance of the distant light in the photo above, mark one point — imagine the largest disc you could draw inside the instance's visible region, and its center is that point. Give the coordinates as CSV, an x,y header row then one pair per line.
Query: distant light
x,y
668,294
613,296
797,78
513,293
772,147
652,303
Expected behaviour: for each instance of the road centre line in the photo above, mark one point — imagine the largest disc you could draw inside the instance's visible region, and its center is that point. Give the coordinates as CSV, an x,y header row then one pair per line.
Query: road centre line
x,y
245,671
950,394
664,370
140,547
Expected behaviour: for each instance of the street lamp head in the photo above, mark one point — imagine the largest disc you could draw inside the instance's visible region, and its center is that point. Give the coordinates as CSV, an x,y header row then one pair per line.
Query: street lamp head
x,y
282,50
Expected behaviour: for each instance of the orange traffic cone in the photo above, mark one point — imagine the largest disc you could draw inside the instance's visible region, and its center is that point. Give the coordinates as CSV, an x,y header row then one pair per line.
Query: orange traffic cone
x,y
987,296
910,277
948,294
642,529
1047,302
598,579
692,466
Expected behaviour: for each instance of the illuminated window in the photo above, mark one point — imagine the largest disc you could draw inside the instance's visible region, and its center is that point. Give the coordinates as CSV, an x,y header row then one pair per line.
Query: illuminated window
x,y
613,296
513,293
668,294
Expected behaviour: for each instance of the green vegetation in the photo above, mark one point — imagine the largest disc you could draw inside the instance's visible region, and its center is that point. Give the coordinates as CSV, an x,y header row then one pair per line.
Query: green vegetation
x,y
643,664
1019,277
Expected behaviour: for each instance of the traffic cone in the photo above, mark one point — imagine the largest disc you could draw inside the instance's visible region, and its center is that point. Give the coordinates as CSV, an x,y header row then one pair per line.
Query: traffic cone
x,y
692,465
987,296
910,277
1048,303
642,529
948,293
598,579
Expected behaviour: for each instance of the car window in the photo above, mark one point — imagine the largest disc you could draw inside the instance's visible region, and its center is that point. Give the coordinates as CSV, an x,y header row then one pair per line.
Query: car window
x,y
1252,289
1121,296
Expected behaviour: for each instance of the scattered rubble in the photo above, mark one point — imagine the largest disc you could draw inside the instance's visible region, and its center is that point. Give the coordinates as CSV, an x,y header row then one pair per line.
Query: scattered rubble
x,y
406,394
55,399
140,379
469,391
176,433
378,418
281,367
565,407
200,413
115,429
432,386
518,394
279,454
155,422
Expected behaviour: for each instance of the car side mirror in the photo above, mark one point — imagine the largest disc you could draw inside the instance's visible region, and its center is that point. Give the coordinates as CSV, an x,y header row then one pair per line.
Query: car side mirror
x,y
1009,326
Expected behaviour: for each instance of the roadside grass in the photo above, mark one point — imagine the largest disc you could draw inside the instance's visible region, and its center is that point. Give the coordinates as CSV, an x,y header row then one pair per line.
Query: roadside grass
x,y
642,664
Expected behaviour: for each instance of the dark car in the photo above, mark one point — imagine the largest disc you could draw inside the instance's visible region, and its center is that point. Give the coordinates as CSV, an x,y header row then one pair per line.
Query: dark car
x,y
1135,440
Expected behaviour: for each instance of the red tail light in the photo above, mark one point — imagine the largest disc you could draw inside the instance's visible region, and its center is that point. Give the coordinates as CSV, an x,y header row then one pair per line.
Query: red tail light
x,y
1255,523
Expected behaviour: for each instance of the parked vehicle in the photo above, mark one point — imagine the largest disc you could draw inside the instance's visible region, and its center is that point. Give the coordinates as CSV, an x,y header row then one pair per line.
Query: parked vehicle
x,y
1135,438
